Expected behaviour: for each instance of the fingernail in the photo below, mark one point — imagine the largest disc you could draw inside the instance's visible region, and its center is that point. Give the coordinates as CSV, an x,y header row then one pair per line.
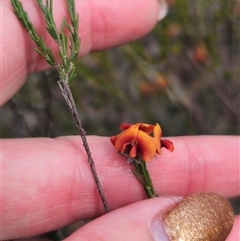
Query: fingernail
x,y
197,217
163,9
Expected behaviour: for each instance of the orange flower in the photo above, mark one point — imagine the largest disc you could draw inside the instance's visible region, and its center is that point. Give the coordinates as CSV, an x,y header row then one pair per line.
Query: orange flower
x,y
136,141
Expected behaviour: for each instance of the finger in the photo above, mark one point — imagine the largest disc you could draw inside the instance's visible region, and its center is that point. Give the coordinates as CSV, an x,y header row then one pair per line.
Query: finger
x,y
234,234
128,223
151,220
138,221
32,239
103,24
47,183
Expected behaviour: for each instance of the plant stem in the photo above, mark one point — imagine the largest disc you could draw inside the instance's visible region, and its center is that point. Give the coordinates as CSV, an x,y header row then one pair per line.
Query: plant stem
x,y
67,94
143,176
148,178
67,69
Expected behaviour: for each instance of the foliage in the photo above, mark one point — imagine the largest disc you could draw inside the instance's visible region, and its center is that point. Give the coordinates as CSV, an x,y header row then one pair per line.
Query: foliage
x,y
184,75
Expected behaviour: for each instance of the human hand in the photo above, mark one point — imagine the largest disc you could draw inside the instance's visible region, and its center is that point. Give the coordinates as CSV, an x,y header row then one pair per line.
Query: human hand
x,y
48,184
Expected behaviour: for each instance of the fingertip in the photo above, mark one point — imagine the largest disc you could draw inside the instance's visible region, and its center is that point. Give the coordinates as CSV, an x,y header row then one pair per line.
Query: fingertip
x,y
204,216
116,23
13,54
235,234
163,9
132,222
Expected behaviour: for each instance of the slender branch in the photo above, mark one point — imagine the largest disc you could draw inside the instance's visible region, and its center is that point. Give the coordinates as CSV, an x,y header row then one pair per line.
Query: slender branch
x,y
67,94
67,69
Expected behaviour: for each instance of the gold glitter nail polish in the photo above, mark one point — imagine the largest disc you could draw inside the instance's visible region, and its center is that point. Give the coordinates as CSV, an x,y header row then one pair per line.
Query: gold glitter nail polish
x,y
200,217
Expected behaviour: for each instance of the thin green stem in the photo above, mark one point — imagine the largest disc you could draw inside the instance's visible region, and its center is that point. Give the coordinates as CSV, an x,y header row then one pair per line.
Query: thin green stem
x,y
138,176
148,178
143,176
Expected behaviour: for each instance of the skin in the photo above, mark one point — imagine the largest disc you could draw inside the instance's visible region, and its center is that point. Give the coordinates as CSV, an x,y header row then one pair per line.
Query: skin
x,y
46,183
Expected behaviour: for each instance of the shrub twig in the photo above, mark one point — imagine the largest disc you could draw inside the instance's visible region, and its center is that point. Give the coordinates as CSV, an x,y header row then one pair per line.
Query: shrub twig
x,y
67,67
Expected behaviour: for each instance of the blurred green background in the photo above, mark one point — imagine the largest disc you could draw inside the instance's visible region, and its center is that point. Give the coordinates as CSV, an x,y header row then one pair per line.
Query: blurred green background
x,y
183,75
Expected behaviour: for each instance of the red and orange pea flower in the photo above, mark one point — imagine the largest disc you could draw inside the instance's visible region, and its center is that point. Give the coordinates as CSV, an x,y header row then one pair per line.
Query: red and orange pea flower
x,y
140,141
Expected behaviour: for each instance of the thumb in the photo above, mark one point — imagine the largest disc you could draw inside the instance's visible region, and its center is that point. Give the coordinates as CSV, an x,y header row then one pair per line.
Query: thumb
x,y
197,217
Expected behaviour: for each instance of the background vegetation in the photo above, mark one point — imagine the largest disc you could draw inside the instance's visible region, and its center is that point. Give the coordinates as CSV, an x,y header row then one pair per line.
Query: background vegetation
x,y
183,75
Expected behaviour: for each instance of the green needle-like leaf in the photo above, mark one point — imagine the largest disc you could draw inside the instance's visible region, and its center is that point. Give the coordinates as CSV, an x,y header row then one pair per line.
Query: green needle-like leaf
x,y
61,37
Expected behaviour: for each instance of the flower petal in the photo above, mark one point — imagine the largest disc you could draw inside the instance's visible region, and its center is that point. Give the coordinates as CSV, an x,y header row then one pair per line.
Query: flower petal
x,y
157,133
124,126
168,145
133,152
146,146
146,128
113,139
128,136
126,146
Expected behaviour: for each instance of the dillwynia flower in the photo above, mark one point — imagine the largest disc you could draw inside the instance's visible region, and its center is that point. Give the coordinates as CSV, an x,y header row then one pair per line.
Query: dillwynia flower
x,y
140,141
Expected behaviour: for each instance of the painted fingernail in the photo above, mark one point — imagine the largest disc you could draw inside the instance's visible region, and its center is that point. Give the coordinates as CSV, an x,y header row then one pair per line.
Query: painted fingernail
x,y
200,217
163,9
